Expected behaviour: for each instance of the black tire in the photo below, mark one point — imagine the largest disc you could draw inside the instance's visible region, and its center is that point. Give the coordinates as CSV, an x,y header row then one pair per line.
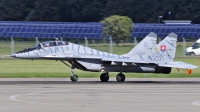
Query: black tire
x,y
104,77
74,78
120,77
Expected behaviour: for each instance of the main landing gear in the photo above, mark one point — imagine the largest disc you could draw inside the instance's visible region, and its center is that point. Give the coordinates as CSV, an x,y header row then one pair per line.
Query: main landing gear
x,y
120,77
104,77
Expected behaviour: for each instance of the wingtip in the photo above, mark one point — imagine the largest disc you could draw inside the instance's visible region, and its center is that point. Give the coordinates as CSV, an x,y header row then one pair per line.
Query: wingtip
x,y
194,67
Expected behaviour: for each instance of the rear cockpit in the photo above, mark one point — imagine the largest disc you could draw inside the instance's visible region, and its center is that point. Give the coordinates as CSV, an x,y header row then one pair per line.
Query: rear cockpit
x,y
44,44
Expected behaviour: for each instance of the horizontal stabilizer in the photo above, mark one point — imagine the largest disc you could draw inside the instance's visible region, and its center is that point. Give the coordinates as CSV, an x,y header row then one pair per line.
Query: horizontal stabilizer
x,y
179,64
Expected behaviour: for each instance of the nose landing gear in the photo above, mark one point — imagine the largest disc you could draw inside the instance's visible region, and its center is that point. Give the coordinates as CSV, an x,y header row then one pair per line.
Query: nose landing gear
x,y
73,76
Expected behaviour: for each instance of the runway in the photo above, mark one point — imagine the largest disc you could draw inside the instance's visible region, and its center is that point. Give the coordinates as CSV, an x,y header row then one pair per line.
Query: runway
x,y
91,95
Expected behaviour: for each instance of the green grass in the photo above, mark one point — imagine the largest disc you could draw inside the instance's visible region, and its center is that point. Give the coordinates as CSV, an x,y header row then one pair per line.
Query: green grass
x,y
49,68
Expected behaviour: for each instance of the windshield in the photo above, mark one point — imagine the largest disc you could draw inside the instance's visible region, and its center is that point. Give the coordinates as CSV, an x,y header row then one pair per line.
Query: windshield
x,y
195,45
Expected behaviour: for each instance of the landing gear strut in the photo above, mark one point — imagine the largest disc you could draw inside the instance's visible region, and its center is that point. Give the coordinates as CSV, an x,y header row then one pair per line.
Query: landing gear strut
x,y
120,77
73,76
104,77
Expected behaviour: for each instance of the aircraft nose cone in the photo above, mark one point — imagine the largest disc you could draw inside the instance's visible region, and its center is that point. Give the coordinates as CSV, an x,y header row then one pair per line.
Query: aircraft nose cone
x,y
13,55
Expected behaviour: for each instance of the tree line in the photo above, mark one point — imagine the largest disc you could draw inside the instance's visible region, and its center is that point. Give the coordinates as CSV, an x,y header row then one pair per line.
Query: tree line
x,y
140,11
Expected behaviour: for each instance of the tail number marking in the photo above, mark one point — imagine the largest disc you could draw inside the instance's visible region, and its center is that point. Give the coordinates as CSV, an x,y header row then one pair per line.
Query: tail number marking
x,y
157,58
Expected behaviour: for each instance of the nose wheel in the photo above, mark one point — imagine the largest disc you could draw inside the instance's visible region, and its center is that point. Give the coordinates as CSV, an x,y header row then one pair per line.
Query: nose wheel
x,y
120,77
104,77
74,78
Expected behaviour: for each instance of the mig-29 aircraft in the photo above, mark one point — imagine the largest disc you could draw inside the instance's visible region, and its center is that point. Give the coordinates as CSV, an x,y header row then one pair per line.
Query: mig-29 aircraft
x,y
145,57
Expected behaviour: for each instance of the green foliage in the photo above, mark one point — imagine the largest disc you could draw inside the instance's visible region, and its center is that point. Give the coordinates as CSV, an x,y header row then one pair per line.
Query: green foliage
x,y
95,10
16,10
117,27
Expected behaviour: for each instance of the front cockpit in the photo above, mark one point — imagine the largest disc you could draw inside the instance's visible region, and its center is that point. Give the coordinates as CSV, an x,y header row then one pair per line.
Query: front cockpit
x,y
43,45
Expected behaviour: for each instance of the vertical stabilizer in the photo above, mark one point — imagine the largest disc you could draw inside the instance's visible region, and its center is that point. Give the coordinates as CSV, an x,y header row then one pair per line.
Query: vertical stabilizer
x,y
165,51
145,46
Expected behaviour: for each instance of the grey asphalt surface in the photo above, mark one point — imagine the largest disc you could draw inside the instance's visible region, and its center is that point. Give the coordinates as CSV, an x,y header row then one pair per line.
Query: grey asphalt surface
x,y
91,95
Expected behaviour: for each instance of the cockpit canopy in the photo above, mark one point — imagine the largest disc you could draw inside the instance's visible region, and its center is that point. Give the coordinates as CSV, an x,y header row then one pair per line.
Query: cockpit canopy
x,y
50,44
45,44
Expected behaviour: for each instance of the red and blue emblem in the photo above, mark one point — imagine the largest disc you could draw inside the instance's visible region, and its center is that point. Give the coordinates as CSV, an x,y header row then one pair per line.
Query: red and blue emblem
x,y
163,48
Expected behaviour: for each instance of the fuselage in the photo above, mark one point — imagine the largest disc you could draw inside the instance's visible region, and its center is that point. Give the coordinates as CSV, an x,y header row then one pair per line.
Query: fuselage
x,y
63,49
82,57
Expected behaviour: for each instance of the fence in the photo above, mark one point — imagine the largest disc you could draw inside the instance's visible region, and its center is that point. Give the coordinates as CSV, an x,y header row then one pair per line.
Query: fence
x,y
11,46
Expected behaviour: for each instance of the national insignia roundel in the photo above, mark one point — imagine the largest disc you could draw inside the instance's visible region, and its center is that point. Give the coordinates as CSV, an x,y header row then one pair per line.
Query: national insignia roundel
x,y
163,48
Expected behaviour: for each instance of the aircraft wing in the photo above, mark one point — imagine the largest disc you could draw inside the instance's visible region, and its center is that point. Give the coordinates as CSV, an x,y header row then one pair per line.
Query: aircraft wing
x,y
126,60
64,57
117,60
59,57
178,65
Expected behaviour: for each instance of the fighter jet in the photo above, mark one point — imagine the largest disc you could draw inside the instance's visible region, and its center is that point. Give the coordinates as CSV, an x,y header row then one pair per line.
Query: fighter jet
x,y
145,57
